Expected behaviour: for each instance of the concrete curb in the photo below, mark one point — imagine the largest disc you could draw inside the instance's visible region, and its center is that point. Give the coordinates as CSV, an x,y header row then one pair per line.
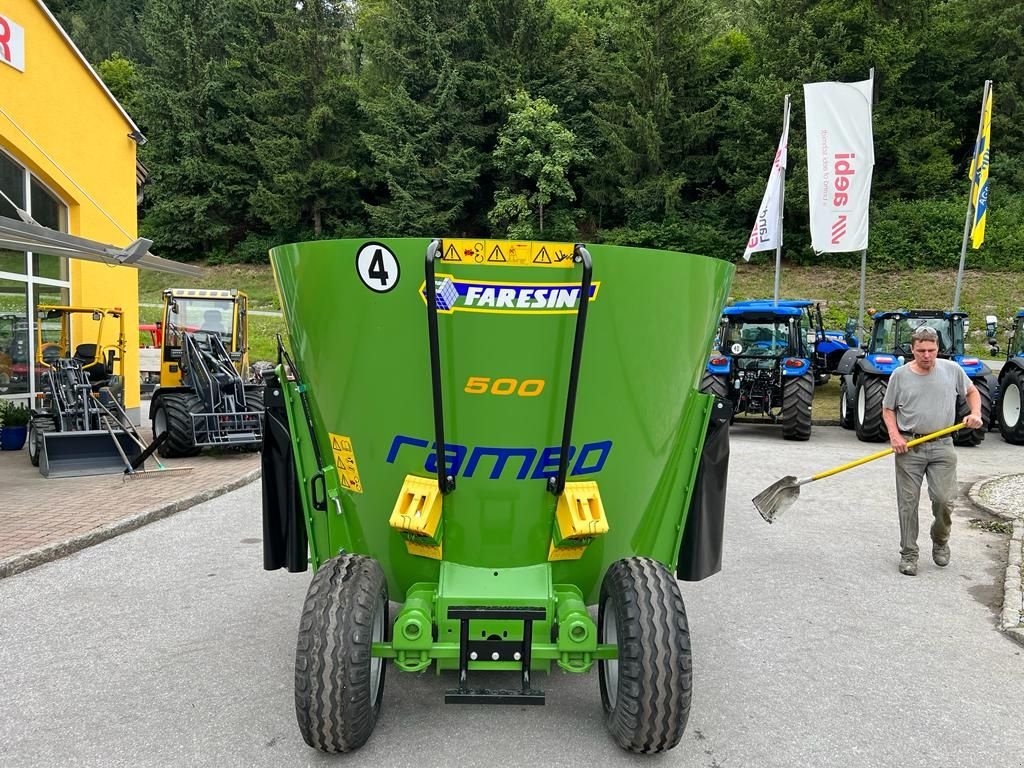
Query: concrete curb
x,y
26,560
1012,618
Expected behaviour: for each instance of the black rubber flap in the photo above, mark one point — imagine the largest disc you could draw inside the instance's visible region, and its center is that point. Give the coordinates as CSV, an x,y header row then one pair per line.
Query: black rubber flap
x,y
284,524
700,554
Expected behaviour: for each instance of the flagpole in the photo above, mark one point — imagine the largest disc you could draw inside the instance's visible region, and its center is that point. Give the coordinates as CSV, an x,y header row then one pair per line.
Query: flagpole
x,y
970,196
782,203
864,253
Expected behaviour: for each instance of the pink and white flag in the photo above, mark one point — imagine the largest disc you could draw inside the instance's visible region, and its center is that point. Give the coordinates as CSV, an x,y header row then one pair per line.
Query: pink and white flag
x,y
767,232
840,159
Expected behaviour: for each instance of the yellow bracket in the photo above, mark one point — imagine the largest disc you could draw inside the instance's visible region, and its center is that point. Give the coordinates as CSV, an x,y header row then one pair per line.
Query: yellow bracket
x,y
417,516
579,518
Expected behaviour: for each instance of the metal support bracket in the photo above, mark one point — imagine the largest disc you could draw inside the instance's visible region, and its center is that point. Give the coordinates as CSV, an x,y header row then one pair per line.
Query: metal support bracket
x,y
495,650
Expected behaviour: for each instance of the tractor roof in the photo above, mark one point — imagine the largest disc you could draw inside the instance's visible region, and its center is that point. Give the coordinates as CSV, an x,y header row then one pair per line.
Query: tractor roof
x,y
742,310
800,303
201,293
920,313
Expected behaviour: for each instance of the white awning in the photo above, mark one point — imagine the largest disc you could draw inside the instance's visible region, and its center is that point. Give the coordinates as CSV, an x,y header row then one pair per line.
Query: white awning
x,y
18,235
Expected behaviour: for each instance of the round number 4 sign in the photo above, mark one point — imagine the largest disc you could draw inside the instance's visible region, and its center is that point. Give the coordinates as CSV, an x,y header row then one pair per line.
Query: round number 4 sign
x,y
377,267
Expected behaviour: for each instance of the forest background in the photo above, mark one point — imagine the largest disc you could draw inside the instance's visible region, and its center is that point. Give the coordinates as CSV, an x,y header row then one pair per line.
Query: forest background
x,y
643,122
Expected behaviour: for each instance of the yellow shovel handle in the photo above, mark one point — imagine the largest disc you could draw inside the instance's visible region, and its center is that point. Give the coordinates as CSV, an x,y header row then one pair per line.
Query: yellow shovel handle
x,y
887,451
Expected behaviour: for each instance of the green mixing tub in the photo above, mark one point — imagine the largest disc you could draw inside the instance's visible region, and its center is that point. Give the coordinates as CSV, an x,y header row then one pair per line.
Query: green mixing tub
x,y
456,430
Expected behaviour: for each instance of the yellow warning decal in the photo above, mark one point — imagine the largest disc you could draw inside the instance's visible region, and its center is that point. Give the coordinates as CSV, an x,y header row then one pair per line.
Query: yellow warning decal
x,y
507,253
345,461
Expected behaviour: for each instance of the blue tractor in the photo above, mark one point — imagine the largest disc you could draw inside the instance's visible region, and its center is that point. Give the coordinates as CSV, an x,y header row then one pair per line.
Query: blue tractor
x,y
827,346
865,373
1011,384
762,365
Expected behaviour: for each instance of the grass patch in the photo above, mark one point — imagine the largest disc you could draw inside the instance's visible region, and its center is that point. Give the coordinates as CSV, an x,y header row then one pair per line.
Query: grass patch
x,y
982,293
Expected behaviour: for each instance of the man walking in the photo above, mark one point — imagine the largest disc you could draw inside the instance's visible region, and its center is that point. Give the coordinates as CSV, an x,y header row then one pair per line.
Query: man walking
x,y
921,399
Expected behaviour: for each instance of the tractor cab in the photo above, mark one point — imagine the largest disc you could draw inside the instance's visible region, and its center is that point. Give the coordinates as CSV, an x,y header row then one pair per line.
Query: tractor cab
x,y
892,331
825,347
208,317
96,350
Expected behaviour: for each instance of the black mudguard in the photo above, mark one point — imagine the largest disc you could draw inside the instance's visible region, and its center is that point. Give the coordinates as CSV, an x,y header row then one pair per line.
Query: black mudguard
x,y
284,524
700,552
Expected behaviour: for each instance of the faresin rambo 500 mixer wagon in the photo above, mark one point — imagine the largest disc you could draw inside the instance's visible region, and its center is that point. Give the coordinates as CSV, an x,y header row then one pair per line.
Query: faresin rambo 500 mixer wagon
x,y
496,435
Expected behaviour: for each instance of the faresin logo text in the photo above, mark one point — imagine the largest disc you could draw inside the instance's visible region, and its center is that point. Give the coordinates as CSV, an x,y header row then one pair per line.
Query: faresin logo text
x,y
455,295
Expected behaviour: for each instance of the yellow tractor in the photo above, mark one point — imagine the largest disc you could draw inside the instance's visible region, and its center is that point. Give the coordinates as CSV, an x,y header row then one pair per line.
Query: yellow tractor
x,y
79,426
203,398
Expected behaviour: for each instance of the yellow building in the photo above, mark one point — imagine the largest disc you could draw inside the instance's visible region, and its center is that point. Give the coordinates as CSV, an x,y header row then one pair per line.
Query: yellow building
x,y
67,157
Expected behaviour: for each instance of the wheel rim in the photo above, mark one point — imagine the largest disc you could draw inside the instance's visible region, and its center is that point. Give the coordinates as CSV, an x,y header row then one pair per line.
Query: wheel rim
x,y
1011,406
159,422
861,405
610,635
843,405
376,662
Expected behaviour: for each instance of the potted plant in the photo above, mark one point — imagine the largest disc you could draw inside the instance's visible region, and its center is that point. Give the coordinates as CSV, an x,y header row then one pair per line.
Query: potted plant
x,y
13,425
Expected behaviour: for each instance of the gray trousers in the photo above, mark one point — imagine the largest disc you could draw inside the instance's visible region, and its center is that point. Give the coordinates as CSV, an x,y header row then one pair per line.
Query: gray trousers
x,y
936,460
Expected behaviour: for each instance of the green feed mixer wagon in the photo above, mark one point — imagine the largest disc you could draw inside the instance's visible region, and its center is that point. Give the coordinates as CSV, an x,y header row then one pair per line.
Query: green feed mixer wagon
x,y
499,436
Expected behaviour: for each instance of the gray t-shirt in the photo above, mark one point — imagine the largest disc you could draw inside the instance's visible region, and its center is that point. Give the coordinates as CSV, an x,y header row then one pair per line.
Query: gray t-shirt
x,y
926,403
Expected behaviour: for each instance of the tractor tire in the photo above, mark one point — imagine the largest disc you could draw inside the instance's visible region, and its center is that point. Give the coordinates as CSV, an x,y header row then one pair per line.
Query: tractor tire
x,y
847,404
867,416
1011,417
339,685
173,413
821,378
715,384
797,396
646,691
972,437
37,427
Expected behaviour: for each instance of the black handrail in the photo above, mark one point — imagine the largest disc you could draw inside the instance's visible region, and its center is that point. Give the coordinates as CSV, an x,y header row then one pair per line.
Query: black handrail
x,y
317,483
580,254
444,481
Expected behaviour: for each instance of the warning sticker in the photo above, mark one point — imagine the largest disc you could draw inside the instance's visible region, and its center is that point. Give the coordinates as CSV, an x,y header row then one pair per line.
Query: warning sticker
x,y
345,461
507,253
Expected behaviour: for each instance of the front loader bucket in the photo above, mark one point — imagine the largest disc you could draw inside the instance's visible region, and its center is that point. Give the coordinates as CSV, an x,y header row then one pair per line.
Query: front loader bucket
x,y
78,454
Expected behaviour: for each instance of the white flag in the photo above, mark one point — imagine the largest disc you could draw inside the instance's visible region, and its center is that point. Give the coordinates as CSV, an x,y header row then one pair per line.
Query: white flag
x,y
840,158
767,232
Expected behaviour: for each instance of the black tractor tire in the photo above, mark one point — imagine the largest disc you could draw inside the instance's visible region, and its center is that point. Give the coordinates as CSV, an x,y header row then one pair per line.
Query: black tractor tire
x,y
339,685
716,384
970,438
646,691
867,415
847,404
37,427
797,397
821,378
1011,414
173,412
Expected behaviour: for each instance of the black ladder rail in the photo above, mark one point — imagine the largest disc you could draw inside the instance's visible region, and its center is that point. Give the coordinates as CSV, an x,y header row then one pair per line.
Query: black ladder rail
x,y
445,482
580,254
317,483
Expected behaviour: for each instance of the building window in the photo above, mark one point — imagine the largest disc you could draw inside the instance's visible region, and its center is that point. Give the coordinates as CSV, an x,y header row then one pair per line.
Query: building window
x,y
27,279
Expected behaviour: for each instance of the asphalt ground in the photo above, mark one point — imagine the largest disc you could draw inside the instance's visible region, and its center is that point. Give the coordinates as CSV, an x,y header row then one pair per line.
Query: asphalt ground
x,y
170,646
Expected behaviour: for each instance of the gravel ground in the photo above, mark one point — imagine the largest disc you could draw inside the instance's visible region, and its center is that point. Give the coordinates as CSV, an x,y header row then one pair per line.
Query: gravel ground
x,y
1005,495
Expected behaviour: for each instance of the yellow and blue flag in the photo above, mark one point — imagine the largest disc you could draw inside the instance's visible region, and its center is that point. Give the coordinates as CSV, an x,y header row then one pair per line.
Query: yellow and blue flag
x,y
979,174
